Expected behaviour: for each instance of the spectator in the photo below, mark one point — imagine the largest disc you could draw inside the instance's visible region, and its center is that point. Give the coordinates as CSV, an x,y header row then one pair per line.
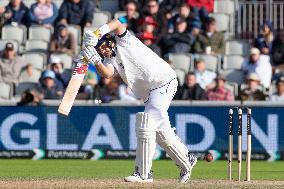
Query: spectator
x,y
264,41
205,78
10,64
178,42
147,34
78,12
17,13
220,92
43,12
30,97
169,21
49,88
106,90
130,19
210,41
61,78
3,15
149,25
194,32
279,95
278,50
2,10
170,5
139,4
28,74
184,13
126,94
201,8
152,10
253,91
259,64
62,41
149,40
190,90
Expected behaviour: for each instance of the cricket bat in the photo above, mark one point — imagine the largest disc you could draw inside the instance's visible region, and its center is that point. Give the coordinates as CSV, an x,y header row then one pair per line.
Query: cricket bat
x,y
74,84
72,88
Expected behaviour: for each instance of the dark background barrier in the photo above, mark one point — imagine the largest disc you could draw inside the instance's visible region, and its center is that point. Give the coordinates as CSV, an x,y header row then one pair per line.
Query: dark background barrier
x,y
112,128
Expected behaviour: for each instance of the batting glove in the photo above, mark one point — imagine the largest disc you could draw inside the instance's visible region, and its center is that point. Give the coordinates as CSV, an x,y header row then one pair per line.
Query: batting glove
x,y
90,38
79,59
90,53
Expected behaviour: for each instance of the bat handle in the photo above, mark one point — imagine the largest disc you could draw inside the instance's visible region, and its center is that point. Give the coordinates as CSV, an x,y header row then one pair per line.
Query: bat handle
x,y
97,33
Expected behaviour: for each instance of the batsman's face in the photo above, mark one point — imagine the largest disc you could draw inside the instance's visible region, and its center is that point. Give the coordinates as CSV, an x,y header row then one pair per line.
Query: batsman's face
x,y
105,50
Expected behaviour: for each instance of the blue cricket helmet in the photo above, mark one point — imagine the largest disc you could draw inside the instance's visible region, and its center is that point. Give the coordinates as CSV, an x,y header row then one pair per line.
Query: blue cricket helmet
x,y
107,39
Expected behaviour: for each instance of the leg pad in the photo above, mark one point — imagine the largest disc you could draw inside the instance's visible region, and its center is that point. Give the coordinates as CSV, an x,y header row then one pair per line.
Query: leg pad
x,y
177,151
146,143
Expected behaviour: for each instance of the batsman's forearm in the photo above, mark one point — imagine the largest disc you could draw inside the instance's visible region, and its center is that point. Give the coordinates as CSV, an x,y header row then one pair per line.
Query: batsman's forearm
x,y
104,71
113,25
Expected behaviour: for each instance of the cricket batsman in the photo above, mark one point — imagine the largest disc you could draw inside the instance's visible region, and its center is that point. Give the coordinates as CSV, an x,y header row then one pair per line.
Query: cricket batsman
x,y
152,80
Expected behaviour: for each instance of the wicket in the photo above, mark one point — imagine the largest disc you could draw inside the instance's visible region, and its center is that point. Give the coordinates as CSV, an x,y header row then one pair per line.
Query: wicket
x,y
230,148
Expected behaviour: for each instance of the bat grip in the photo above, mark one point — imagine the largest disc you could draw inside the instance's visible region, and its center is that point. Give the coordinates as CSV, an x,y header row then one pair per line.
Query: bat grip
x,y
97,33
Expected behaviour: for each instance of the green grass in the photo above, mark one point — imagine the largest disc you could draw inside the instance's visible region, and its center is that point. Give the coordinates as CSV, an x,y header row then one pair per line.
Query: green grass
x,y
106,169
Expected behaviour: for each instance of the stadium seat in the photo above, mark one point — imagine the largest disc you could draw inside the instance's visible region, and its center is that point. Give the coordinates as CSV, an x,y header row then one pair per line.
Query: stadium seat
x,y
222,21
234,87
37,60
233,75
233,61
211,62
273,87
36,46
76,31
119,14
237,47
100,18
66,59
40,33
22,87
35,77
3,3
18,33
6,91
180,75
224,6
4,41
180,61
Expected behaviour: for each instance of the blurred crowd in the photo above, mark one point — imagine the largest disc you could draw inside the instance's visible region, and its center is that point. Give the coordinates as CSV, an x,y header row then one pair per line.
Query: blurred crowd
x,y
165,26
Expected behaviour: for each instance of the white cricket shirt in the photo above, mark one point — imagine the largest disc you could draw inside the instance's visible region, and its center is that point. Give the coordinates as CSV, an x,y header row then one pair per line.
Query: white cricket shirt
x,y
139,67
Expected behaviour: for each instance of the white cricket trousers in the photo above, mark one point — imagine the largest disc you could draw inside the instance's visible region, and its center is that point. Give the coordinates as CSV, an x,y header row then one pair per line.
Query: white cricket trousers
x,y
159,102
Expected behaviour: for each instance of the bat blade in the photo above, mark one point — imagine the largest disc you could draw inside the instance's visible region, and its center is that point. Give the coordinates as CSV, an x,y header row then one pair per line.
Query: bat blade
x,y
72,89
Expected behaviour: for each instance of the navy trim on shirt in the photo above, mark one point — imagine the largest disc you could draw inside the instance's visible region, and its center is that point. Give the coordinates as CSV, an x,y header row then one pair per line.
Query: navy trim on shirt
x,y
168,83
123,34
